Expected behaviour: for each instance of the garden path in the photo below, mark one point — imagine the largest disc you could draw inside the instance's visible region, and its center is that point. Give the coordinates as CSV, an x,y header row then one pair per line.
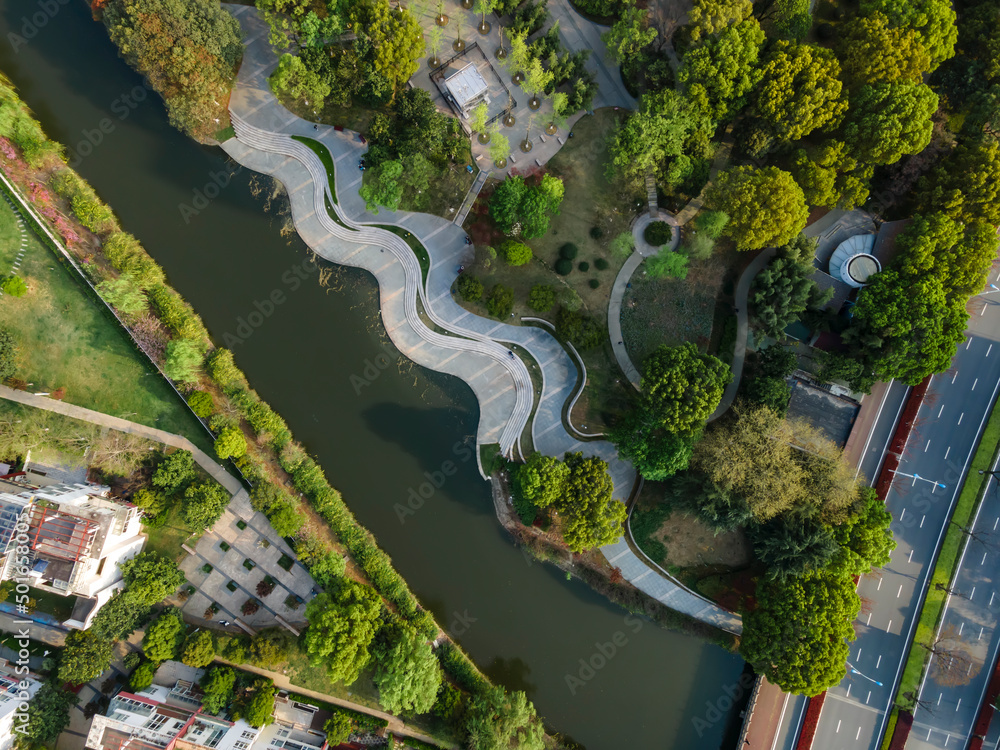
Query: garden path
x,y
476,348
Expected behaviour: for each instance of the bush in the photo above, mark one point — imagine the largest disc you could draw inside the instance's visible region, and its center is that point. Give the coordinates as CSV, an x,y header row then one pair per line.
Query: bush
x,y
201,403
601,264
250,606
593,283
623,245
581,330
14,286
541,298
516,254
223,370
286,562
265,587
658,233
583,266
232,586
285,518
9,352
176,314
183,362
204,504
132,659
569,251
501,301
564,266
469,287
711,223
230,443
596,233
142,677
174,472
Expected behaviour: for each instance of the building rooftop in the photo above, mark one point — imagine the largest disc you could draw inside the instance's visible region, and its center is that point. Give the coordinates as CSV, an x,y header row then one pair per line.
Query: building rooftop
x,y
466,85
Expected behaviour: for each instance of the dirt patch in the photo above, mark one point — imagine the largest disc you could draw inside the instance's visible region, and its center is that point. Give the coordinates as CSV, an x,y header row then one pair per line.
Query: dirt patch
x,y
690,544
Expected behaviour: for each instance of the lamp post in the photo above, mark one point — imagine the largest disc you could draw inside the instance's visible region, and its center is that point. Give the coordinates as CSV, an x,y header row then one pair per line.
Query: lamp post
x,y
862,674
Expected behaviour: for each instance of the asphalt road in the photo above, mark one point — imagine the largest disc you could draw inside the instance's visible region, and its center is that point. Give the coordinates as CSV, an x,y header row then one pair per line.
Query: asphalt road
x,y
938,452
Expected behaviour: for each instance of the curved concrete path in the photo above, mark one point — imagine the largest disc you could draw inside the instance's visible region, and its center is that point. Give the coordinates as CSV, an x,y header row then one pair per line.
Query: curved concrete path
x,y
473,348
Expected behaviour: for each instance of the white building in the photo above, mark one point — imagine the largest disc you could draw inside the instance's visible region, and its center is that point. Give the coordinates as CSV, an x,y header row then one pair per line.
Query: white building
x,y
468,88
77,538
14,689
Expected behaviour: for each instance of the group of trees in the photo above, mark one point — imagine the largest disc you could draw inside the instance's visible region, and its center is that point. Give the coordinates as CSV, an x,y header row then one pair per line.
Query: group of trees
x,y
785,288
579,490
188,51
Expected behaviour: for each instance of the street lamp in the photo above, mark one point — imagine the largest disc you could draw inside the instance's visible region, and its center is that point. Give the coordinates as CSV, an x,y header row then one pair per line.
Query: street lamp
x,y
991,473
862,674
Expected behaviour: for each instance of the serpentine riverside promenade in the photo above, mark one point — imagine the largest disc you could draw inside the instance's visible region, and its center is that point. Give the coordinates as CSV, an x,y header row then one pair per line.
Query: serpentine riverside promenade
x,y
422,319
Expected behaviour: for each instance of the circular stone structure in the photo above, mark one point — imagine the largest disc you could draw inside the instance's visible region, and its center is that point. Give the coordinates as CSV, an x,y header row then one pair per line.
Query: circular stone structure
x,y
853,263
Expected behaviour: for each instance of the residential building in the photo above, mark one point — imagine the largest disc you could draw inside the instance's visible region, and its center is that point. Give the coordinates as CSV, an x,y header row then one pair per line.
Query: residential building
x,y
15,689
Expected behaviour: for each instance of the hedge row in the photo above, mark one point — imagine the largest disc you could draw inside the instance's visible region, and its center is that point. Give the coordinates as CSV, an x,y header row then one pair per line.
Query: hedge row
x,y
461,669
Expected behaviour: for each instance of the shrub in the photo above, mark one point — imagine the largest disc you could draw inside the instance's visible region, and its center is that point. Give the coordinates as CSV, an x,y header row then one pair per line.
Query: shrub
x,y
142,677
501,301
204,504
9,352
285,518
541,298
176,314
223,370
569,251
516,254
286,562
250,606
230,443
596,233
564,266
581,330
183,362
14,286
658,233
199,651
469,287
232,586
91,212
623,245
132,659
201,403
711,223
601,264
583,266
248,563
265,586
593,283
224,546
206,568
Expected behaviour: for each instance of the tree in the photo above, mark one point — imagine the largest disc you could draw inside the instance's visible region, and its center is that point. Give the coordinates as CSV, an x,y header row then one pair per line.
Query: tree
x,y
204,504
654,135
516,254
591,517
865,541
716,507
499,147
500,303
9,353
522,209
150,578
541,480
342,625
623,245
630,33
119,454
872,52
164,636
469,287
890,120
395,37
294,80
681,387
478,117
230,443
48,716
765,206
785,288
708,17
791,18
671,264
174,472
961,256
536,80
407,674
791,546
721,72
143,676
85,657
183,362
904,328
497,720
383,187
800,90
934,20
286,519
257,706
797,636
338,728
217,684
965,184
199,649
541,298
657,454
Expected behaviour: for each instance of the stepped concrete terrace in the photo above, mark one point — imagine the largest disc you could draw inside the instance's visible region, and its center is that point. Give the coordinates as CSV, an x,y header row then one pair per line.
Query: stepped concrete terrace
x,y
470,347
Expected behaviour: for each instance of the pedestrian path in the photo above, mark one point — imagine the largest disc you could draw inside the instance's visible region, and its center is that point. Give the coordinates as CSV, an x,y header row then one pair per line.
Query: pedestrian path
x,y
471,347
24,236
470,198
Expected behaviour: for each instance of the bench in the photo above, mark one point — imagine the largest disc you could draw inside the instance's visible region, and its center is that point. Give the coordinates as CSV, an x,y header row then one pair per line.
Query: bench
x,y
538,162
561,141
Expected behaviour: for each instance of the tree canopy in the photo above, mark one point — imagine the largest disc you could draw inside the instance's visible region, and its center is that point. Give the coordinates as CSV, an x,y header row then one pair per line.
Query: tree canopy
x,y
933,20
681,387
871,51
164,636
342,625
707,17
497,720
408,675
85,657
765,206
785,288
150,578
890,120
520,209
959,255
721,72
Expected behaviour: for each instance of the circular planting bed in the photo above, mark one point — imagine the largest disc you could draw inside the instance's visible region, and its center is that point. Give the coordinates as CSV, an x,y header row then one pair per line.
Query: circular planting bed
x,y
658,233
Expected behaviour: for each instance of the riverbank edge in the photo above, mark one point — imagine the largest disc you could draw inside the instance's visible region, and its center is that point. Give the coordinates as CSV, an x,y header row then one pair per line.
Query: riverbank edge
x,y
63,253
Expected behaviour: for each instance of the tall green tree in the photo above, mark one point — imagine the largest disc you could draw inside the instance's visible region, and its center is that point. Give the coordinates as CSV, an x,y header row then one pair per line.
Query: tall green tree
x,y
681,387
765,206
85,657
342,625
204,504
164,636
785,288
721,72
497,720
965,184
293,79
707,17
396,39
630,33
798,634
866,543
520,209
408,675
541,480
934,20
150,578
871,51
656,453
890,120
800,90
960,255
48,716
591,517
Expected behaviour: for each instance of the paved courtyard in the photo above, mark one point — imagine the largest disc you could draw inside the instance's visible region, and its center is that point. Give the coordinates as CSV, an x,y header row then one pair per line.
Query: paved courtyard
x,y
259,543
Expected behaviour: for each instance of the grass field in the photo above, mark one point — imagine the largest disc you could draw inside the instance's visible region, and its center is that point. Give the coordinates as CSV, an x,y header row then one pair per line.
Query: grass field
x,y
167,539
68,341
951,548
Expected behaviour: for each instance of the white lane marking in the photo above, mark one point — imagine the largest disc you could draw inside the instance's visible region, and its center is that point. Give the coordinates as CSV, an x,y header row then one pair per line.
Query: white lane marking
x,y
980,634
953,377
960,417
973,593
910,558
940,695
947,452
968,342
927,446
869,622
902,513
961,627
991,598
940,410
879,587
858,735
922,521
869,697
983,561
974,383
879,662
849,686
995,523
989,350
899,593
838,725
888,626
958,705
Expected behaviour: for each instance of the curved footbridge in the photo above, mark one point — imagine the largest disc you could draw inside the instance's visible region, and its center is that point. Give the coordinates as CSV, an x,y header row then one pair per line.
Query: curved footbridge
x,y
422,319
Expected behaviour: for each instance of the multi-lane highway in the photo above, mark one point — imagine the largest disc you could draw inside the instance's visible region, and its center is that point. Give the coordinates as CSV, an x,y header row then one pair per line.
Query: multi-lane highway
x,y
920,500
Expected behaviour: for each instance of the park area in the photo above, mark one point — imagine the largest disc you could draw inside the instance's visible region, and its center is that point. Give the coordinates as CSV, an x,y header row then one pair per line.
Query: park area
x,y
71,346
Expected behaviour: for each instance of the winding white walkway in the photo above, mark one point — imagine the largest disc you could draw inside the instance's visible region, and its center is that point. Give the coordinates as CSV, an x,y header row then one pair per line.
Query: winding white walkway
x,y
424,321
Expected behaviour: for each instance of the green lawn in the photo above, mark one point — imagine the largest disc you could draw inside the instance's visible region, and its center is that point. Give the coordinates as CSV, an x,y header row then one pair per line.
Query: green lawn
x,y
951,548
167,539
68,341
59,607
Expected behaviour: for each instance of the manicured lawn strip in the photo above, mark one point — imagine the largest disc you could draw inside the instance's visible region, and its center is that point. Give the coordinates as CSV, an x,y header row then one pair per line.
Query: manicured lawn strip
x,y
418,249
890,727
168,538
324,156
69,340
60,607
951,548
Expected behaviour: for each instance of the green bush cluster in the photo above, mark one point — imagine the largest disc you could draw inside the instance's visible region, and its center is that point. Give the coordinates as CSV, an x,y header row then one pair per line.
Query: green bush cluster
x,y
564,266
461,669
658,233
17,124
601,264
469,287
176,314
569,251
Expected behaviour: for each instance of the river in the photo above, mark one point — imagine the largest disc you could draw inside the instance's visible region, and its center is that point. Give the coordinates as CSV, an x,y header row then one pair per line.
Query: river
x,y
378,432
